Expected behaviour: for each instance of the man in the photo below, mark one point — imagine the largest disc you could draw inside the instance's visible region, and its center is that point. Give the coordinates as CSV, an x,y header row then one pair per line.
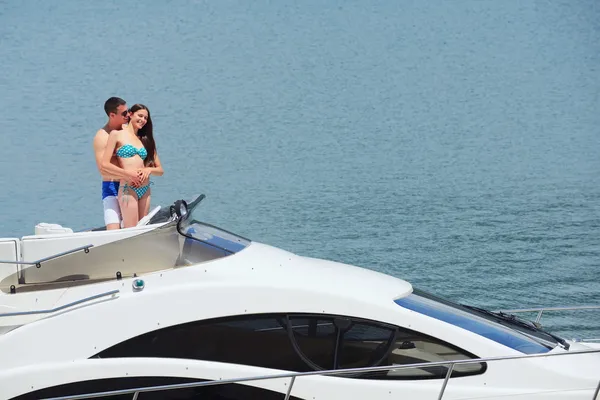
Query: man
x,y
118,115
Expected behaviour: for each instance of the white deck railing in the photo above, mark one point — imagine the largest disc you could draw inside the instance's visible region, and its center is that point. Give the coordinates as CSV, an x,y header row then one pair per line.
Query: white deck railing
x,y
340,372
541,310
60,308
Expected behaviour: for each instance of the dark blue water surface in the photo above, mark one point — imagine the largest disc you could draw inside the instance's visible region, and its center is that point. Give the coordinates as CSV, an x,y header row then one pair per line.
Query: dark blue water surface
x,y
455,145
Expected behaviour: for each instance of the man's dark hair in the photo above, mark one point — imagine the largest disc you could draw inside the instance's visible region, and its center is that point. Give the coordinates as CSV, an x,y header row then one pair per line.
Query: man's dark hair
x,y
111,105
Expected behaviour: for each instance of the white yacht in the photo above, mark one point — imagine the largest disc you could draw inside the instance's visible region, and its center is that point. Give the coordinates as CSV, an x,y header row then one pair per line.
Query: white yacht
x,y
180,309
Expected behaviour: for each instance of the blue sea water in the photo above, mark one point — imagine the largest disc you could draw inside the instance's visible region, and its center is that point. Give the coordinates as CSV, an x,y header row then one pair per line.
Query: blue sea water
x,y
452,144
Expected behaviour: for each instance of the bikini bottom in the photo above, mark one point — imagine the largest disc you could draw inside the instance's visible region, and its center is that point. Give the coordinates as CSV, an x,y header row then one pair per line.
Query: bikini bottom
x,y
140,191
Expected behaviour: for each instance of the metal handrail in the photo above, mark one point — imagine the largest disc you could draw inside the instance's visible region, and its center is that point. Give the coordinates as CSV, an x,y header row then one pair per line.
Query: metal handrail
x,y
541,310
293,375
38,263
51,310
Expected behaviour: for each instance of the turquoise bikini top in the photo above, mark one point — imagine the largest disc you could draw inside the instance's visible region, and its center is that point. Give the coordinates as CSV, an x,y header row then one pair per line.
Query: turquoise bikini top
x,y
128,150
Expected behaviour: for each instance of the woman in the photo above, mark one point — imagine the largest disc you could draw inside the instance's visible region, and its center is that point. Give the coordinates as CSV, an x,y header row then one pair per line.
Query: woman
x,y
136,151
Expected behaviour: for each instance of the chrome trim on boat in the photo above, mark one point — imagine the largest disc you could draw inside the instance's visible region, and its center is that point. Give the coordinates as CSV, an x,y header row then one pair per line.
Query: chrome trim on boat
x,y
51,310
41,260
293,375
595,396
541,310
289,391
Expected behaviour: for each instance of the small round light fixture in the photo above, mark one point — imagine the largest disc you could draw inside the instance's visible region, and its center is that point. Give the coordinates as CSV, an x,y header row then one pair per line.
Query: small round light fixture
x,y
138,284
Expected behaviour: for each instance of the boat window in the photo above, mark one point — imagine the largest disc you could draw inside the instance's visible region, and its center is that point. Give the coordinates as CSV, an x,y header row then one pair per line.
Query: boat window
x,y
337,342
229,391
511,334
315,339
231,340
301,343
368,344
411,347
365,345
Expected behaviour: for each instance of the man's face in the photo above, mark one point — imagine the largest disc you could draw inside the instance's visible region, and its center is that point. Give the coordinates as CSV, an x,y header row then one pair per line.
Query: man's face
x,y
122,115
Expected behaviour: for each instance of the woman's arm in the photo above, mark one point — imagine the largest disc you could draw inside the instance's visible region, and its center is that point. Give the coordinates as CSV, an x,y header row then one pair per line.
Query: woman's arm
x,y
156,170
110,168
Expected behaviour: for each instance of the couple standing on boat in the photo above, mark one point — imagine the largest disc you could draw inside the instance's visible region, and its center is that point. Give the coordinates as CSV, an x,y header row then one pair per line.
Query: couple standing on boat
x,y
126,157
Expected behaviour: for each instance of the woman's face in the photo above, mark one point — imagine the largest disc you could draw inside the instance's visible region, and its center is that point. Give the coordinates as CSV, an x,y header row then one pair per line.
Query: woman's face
x,y
138,118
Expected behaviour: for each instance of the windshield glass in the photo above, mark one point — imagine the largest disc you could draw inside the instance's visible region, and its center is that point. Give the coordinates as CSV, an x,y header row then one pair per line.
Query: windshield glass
x,y
512,334
218,239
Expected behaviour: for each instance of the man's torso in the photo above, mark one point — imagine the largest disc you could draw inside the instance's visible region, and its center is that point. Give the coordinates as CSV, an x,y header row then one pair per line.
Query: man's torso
x,y
103,136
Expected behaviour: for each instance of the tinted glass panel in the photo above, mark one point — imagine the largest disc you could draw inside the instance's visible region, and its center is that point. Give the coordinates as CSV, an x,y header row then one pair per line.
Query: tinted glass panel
x,y
301,343
218,392
510,335
102,385
412,348
315,339
241,341
364,345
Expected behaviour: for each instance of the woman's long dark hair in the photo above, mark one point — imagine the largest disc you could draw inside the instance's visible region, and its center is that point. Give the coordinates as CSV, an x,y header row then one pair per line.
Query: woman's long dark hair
x,y
145,135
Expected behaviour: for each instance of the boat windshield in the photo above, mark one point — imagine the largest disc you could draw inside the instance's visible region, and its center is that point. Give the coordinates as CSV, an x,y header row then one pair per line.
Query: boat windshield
x,y
209,235
177,243
501,328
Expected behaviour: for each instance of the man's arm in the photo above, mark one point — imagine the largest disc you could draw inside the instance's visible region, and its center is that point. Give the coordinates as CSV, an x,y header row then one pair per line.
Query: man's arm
x,y
100,141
